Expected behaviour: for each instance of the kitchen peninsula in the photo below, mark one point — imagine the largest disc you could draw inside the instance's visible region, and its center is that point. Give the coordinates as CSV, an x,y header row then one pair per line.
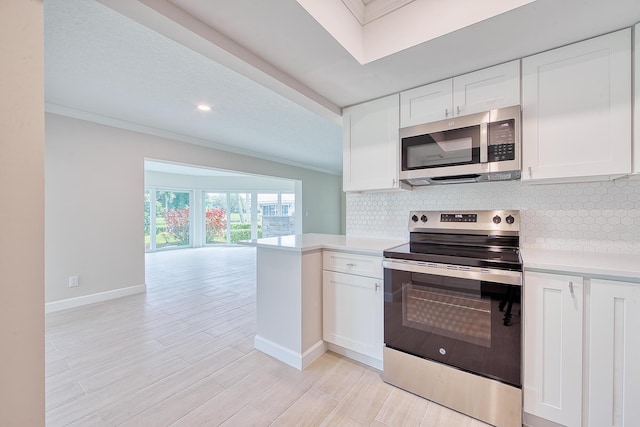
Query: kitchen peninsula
x,y
289,296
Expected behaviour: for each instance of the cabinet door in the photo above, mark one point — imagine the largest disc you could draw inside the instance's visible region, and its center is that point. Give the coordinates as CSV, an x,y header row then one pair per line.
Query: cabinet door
x,y
576,110
487,89
553,307
352,312
426,104
614,353
371,145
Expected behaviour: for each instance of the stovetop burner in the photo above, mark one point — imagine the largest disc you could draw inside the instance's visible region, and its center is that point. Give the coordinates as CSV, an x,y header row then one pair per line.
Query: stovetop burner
x,y
478,239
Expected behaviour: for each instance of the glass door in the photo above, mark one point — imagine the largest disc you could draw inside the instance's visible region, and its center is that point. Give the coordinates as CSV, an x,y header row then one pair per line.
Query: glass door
x,y
215,216
240,217
172,219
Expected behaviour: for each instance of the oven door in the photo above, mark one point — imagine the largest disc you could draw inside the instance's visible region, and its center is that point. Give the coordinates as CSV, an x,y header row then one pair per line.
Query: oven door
x,y
468,320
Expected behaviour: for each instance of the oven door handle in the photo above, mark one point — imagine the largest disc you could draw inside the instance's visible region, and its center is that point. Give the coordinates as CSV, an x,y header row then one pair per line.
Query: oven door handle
x,y
473,273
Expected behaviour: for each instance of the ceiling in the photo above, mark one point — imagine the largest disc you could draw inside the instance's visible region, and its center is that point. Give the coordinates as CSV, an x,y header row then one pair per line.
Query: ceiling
x,y
275,78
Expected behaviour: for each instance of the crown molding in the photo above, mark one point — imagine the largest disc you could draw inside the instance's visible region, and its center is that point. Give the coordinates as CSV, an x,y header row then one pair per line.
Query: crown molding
x,y
379,8
357,9
74,113
374,9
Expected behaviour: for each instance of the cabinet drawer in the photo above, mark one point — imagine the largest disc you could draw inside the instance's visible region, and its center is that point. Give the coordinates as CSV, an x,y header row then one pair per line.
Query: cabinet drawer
x,y
361,265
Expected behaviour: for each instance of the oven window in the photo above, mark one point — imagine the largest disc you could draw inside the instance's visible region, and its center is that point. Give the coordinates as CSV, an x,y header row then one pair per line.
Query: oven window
x,y
461,316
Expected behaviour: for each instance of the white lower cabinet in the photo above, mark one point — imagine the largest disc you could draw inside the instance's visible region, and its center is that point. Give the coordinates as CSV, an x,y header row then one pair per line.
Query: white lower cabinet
x,y
581,351
614,354
353,306
553,308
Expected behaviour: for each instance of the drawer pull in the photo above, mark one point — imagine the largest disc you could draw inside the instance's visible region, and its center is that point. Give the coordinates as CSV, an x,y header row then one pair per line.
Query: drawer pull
x,y
377,286
571,287
350,264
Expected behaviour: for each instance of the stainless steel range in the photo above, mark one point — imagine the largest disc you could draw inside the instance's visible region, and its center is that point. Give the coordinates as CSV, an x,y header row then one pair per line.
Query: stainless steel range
x,y
452,318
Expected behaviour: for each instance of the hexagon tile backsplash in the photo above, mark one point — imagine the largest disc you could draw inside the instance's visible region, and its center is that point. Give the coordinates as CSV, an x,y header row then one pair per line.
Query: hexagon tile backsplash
x,y
601,217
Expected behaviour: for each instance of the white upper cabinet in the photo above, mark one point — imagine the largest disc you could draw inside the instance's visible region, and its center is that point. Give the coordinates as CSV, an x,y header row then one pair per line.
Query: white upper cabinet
x,y
486,89
371,147
576,110
426,104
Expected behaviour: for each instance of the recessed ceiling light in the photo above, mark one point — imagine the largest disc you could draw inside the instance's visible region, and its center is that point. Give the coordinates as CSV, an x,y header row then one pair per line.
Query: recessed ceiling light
x,y
204,107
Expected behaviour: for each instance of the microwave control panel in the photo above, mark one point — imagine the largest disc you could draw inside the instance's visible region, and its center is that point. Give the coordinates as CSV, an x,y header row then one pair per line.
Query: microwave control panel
x,y
502,140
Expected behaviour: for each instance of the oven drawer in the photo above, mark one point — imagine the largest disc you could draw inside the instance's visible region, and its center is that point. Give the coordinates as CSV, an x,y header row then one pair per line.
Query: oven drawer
x,y
361,265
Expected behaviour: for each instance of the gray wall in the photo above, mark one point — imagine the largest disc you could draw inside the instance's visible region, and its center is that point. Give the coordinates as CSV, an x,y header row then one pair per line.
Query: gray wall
x,y
95,205
21,213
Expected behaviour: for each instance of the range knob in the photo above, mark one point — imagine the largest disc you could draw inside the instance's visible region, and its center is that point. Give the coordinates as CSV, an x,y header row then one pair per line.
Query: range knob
x,y
424,218
497,219
414,218
510,219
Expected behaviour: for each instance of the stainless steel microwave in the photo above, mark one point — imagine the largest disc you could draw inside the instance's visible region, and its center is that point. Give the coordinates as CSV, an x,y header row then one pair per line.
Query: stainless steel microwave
x,y
477,147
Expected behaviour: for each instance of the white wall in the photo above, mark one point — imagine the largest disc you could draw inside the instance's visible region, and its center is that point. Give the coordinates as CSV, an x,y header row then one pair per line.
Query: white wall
x,y
21,213
91,167
218,183
602,217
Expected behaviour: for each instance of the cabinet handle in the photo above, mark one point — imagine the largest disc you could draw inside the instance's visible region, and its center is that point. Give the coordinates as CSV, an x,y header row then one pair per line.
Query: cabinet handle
x,y
377,286
349,264
530,172
571,287
446,112
458,109
394,182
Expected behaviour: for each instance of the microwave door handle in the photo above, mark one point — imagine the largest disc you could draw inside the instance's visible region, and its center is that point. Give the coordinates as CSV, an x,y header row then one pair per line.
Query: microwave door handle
x,y
484,145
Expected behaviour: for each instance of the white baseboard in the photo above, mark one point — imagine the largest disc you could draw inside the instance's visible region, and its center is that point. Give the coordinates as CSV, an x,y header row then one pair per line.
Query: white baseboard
x,y
311,355
359,357
65,304
288,356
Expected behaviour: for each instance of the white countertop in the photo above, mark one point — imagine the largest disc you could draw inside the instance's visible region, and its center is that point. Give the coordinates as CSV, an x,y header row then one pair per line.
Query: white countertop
x,y
614,266
314,241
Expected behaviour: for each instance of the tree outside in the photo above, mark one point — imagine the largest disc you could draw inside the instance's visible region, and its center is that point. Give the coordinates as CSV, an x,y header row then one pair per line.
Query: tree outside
x,y
172,218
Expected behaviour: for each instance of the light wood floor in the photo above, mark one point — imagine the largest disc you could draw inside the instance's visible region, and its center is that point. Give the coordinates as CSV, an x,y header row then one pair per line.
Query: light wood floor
x,y
182,355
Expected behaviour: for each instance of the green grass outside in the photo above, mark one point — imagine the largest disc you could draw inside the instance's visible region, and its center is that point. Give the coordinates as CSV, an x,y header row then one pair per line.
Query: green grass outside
x,y
239,231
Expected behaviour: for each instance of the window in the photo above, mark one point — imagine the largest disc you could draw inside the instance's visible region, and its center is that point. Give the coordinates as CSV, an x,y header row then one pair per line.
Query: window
x,y
288,204
173,220
167,218
215,216
240,217
277,210
269,210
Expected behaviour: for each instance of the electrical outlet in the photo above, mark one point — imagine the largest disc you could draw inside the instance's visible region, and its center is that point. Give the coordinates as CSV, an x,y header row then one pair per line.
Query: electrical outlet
x,y
73,281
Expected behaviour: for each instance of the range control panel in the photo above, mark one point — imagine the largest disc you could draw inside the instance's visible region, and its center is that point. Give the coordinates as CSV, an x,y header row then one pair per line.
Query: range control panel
x,y
490,221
